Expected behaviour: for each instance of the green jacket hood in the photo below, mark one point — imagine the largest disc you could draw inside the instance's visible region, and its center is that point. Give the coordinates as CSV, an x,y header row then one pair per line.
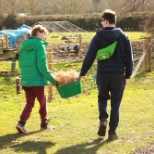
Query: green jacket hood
x,y
33,63
31,43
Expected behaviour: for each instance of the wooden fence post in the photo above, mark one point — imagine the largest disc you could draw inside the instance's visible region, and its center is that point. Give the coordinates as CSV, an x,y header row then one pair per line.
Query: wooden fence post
x,y
6,41
26,36
149,55
145,48
49,56
147,59
80,46
13,66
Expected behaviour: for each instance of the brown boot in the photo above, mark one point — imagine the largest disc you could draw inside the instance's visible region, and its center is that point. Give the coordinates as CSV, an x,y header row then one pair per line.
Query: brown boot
x,y
112,135
102,127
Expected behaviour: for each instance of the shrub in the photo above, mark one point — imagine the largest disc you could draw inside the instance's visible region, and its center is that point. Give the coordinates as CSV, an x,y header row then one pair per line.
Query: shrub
x,y
9,22
88,22
149,25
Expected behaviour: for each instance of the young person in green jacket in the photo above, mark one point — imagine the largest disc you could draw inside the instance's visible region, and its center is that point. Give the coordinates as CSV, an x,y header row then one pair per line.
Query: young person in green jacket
x,y
34,76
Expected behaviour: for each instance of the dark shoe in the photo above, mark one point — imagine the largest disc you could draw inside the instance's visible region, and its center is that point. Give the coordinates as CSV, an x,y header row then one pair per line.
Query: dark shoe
x,y
21,128
102,128
45,126
112,135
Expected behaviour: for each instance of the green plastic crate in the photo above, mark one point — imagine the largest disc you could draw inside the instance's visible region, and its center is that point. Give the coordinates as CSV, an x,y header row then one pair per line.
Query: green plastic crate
x,y
70,89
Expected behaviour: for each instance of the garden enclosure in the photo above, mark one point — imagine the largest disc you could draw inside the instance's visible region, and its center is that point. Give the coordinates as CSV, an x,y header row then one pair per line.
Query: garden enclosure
x,y
143,52
10,41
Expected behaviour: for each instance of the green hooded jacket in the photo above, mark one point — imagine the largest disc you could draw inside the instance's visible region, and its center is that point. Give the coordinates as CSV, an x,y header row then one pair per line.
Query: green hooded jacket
x,y
33,63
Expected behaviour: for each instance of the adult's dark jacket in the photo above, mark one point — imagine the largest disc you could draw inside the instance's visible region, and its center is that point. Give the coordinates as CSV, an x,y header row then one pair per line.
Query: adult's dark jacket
x,y
122,59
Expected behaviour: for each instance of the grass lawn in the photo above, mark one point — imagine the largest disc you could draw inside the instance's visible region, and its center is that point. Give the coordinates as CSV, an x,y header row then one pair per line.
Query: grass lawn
x,y
56,38
75,120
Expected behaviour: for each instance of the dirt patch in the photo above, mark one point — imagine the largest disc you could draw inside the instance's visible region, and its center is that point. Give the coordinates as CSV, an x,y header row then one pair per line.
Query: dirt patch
x,y
145,150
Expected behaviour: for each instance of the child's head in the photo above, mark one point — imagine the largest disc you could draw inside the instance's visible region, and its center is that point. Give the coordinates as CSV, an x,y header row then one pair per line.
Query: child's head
x,y
39,31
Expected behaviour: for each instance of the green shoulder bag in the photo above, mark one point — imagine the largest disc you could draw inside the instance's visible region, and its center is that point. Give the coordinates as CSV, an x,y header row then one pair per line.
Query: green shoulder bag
x,y
107,52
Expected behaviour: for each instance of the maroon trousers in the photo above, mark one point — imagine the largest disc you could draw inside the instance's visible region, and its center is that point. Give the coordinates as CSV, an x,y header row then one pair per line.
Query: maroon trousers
x,y
31,94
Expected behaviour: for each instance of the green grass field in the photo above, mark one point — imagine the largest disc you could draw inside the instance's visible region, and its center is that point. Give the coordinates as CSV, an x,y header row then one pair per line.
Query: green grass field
x,y
56,38
75,120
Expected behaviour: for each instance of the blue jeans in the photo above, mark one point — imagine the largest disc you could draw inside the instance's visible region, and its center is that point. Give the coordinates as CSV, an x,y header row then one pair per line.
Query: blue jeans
x,y
110,86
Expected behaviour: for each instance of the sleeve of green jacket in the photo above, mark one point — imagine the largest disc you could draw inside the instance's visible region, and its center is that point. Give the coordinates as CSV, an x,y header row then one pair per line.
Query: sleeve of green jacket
x,y
42,64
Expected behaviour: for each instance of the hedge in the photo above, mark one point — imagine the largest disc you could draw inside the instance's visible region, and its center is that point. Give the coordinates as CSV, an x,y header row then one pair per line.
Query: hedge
x,y
88,22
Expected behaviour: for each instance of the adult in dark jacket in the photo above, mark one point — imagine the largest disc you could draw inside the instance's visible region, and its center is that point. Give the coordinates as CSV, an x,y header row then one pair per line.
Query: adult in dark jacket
x,y
34,76
112,74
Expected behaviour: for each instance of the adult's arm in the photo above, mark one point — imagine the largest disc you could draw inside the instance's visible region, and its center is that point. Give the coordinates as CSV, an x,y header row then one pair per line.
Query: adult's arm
x,y
90,56
129,60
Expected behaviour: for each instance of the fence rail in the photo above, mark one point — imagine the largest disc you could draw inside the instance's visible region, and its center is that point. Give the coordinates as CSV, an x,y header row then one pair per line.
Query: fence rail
x,y
143,51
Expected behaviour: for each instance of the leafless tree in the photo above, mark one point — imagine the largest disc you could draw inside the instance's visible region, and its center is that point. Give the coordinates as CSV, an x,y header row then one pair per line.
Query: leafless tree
x,y
134,5
148,6
32,6
67,6
8,6
73,6
0,7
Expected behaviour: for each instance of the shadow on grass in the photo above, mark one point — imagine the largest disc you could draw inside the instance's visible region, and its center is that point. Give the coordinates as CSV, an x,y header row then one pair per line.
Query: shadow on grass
x,y
28,146
85,148
33,146
6,140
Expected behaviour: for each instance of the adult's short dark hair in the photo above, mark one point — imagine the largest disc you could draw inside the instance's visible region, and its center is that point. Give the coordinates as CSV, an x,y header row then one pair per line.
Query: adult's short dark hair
x,y
110,16
39,28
